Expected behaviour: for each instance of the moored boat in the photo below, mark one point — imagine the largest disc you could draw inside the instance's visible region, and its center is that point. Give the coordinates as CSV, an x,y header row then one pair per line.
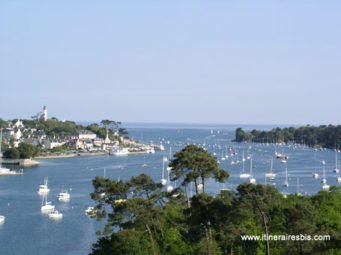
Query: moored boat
x,y
43,188
7,172
119,151
64,196
46,206
55,215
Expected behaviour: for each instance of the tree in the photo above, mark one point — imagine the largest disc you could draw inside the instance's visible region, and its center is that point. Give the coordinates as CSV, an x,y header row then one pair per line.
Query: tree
x,y
95,128
11,153
3,123
111,127
137,207
195,164
27,150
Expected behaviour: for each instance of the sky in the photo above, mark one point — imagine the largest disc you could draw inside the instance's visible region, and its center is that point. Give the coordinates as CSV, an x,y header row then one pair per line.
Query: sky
x,y
248,62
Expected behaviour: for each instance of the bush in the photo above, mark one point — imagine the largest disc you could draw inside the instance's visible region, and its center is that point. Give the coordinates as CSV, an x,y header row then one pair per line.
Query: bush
x,y
12,153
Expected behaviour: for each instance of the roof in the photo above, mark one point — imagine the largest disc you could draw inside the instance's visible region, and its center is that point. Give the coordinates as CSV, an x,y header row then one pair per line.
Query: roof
x,y
84,132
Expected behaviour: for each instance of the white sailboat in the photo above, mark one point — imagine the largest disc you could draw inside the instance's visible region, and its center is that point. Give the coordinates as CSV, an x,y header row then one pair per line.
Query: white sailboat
x,y
0,144
243,157
224,188
2,219
163,180
315,175
170,188
252,179
91,211
55,215
271,175
7,172
283,161
43,188
325,186
336,169
46,206
338,179
64,196
324,179
244,175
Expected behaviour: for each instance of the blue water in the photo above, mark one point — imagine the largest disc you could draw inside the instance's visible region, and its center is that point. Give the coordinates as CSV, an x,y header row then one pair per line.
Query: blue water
x,y
27,231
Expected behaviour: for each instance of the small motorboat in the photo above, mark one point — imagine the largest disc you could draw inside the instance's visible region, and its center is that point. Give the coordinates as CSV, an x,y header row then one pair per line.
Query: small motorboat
x,y
64,196
55,215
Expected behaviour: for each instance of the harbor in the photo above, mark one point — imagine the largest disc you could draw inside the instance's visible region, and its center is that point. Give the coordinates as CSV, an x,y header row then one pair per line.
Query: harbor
x,y
74,232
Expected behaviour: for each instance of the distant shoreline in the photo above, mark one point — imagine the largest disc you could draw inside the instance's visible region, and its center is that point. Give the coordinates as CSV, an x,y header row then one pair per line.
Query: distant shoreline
x,y
71,155
80,154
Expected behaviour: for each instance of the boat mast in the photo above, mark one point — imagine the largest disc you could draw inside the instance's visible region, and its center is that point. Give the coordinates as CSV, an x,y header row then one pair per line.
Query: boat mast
x,y
0,142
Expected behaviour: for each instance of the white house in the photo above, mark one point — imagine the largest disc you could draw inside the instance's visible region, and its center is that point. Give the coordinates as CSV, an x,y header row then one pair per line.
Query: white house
x,y
85,134
51,144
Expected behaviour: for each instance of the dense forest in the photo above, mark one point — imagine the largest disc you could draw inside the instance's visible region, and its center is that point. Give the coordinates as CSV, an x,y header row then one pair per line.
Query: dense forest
x,y
145,217
321,136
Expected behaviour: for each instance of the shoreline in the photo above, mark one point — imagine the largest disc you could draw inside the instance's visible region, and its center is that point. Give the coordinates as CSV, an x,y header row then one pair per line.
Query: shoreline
x,y
20,162
71,155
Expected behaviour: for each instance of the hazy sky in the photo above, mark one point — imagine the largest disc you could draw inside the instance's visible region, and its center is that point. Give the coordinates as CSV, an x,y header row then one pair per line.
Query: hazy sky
x,y
258,62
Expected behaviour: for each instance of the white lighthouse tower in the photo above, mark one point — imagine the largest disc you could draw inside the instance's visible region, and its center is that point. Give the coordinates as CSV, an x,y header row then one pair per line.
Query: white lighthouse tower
x,y
44,113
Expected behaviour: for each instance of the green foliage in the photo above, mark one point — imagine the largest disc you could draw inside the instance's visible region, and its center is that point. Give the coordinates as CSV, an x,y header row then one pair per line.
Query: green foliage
x,y
11,153
3,123
27,150
144,219
194,164
242,136
23,151
95,128
53,127
322,136
110,126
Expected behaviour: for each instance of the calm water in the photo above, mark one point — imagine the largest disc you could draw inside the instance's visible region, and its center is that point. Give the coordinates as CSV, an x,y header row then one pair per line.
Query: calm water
x,y
27,231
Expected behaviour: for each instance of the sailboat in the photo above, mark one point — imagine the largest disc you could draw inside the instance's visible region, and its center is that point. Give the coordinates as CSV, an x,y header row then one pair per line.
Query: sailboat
x,y
244,175
170,188
224,188
243,157
163,180
46,206
338,179
2,219
64,196
43,188
271,175
336,169
0,145
286,182
252,179
55,215
325,186
324,180
315,175
144,162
